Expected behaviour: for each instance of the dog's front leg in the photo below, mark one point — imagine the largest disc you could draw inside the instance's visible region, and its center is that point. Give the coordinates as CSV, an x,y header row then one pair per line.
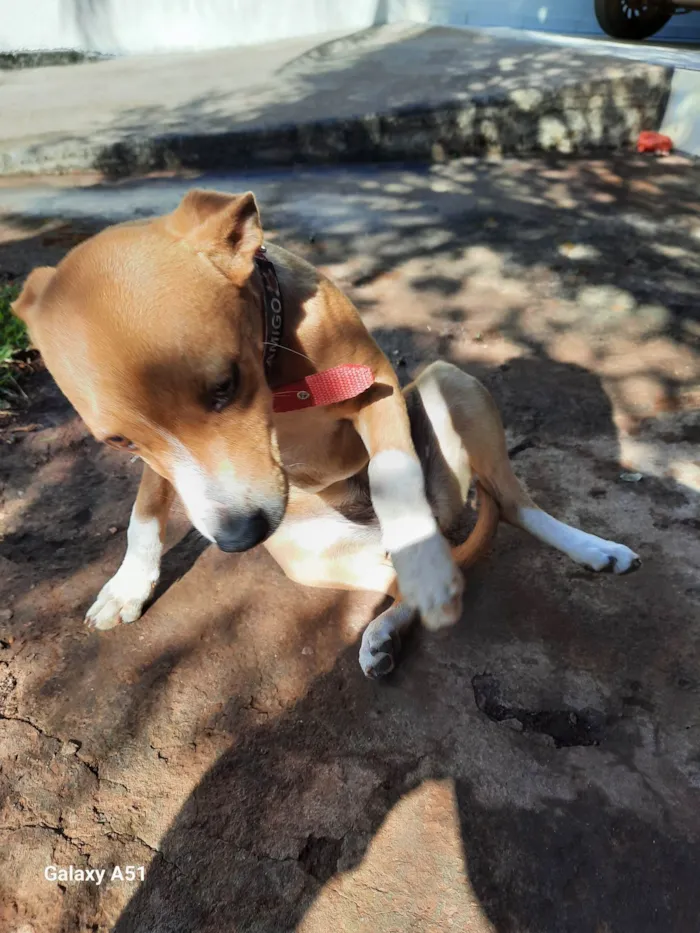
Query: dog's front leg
x,y
381,640
428,579
123,597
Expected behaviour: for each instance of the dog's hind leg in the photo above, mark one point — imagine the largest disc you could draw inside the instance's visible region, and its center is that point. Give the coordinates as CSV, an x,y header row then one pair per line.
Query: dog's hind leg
x,y
457,406
123,597
317,545
458,435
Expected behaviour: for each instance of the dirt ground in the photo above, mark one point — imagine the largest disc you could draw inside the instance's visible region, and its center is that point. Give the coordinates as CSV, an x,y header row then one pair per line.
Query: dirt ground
x,y
537,768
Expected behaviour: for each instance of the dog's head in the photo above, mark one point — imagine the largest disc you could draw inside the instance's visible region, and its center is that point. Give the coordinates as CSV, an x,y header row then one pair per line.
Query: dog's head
x,y
154,332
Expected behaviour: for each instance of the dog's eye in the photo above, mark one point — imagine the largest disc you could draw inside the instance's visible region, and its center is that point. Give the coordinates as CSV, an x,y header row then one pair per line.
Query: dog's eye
x,y
118,440
224,393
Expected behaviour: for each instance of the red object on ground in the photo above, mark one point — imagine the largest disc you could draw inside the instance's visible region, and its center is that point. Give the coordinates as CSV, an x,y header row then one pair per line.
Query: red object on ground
x,y
654,142
327,388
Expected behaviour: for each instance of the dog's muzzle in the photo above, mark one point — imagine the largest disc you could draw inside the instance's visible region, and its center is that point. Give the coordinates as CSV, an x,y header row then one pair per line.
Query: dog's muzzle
x,y
243,533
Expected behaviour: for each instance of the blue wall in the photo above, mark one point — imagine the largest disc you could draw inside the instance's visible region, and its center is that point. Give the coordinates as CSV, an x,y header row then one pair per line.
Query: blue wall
x,y
568,16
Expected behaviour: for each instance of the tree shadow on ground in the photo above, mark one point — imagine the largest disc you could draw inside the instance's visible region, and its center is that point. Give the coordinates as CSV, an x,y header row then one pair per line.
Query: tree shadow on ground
x,y
499,269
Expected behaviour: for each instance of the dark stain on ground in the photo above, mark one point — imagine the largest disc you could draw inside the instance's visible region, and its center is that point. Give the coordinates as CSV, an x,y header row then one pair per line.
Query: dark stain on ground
x,y
567,727
319,857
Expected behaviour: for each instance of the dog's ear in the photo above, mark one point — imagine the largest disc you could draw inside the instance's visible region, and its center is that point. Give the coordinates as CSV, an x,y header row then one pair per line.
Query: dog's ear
x,y
224,226
34,288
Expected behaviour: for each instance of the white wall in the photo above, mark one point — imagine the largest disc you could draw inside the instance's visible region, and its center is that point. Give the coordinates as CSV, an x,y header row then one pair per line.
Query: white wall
x,y
159,25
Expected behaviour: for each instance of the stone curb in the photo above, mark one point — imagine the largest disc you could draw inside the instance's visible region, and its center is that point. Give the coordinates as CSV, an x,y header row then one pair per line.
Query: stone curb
x,y
602,115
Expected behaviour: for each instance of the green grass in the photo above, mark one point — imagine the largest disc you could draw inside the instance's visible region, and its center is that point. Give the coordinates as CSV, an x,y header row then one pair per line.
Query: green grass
x,y
13,335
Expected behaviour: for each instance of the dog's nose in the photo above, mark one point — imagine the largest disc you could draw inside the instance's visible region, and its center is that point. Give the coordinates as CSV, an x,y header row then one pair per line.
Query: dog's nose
x,y
241,534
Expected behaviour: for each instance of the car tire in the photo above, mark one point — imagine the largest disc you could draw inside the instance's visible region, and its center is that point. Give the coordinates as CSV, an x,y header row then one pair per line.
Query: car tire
x,y
632,19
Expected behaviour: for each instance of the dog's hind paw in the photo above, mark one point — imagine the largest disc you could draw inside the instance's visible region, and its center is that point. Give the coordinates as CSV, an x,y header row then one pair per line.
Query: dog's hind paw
x,y
588,550
599,555
608,557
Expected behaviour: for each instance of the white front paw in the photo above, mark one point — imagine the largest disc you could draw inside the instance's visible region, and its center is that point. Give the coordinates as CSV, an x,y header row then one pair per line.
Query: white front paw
x,y
123,597
430,581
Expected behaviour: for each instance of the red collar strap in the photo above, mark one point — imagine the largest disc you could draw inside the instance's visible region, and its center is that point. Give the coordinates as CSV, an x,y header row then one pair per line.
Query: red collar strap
x,y
327,388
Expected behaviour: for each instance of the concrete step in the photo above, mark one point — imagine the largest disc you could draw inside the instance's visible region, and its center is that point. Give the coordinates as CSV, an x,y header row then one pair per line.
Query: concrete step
x,y
401,92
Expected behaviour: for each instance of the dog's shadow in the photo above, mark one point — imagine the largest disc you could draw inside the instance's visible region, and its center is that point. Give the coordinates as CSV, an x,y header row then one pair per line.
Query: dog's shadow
x,y
179,560
563,828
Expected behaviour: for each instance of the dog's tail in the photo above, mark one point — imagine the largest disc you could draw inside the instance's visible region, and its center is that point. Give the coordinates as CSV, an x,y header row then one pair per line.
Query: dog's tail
x,y
468,552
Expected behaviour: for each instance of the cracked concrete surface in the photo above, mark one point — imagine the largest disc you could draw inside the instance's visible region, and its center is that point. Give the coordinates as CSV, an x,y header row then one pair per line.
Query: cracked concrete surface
x,y
535,769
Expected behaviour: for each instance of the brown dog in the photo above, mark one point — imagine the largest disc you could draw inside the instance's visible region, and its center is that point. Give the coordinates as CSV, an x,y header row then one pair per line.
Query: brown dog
x,y
246,381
